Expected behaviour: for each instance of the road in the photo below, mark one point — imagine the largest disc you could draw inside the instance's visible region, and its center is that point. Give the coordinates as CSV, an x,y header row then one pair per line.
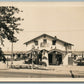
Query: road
x,y
58,72
7,74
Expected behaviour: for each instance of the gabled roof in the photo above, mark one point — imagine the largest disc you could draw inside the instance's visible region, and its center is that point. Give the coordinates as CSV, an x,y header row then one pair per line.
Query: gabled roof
x,y
54,38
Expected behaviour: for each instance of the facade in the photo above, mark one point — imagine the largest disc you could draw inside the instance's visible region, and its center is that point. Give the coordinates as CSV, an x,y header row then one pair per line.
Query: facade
x,y
50,50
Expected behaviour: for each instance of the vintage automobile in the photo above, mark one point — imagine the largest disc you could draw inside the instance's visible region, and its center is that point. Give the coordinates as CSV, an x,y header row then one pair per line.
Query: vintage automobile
x,y
79,61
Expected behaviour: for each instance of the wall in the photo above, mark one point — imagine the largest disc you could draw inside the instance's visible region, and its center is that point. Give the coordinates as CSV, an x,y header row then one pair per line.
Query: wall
x,y
60,45
66,58
30,45
49,46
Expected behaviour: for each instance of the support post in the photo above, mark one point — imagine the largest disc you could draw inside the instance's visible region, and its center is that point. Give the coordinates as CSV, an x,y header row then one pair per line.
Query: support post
x,y
12,54
45,57
32,56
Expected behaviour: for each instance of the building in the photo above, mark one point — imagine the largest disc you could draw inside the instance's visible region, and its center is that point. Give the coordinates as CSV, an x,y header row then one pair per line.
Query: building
x,y
49,49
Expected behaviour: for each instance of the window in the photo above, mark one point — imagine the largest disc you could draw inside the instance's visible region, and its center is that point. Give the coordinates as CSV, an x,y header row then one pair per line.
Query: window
x,y
36,42
44,40
53,42
44,36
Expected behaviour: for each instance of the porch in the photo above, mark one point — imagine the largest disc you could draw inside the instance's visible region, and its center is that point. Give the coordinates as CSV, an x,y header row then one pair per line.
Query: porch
x,y
52,57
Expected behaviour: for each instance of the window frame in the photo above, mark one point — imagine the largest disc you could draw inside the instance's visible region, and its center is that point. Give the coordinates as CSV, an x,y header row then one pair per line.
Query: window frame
x,y
36,42
53,42
45,41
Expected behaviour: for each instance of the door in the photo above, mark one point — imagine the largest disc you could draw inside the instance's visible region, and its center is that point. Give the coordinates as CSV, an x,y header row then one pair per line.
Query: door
x,y
50,59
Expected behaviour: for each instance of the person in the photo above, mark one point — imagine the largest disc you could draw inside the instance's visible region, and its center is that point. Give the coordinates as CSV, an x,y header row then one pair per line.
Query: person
x,y
2,57
0,54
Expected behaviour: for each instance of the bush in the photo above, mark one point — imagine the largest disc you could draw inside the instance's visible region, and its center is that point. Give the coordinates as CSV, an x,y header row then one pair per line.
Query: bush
x,y
43,63
21,66
28,61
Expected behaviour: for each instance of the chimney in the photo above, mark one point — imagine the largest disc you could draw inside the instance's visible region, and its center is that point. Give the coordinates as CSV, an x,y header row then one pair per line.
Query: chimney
x,y
55,37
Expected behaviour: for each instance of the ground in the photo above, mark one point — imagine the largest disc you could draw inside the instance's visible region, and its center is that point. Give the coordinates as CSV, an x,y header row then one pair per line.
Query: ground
x,y
49,72
55,72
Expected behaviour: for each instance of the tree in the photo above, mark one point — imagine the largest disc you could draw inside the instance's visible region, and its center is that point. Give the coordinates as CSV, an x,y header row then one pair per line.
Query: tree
x,y
9,23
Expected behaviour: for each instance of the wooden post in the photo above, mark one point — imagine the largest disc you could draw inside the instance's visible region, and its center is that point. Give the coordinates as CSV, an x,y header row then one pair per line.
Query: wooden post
x,y
12,49
45,57
32,56
32,59
12,54
7,62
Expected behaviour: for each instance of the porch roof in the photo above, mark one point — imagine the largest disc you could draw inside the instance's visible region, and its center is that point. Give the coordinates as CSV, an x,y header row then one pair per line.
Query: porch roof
x,y
30,51
50,51
57,50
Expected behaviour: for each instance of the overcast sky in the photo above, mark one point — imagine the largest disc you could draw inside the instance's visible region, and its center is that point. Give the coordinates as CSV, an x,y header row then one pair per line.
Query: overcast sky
x,y
62,19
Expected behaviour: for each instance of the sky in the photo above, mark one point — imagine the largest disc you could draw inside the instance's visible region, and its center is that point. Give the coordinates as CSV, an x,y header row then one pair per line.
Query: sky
x,y
62,19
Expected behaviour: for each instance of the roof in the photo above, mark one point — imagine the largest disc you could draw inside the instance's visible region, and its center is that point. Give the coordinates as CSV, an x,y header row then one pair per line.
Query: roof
x,y
14,52
30,51
78,52
60,51
54,38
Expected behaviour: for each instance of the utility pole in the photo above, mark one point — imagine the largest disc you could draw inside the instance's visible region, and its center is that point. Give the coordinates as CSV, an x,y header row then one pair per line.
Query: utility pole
x,y
12,49
32,57
12,54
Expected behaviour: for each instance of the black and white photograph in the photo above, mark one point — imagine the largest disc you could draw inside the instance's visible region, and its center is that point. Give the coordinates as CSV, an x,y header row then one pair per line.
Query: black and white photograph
x,y
42,40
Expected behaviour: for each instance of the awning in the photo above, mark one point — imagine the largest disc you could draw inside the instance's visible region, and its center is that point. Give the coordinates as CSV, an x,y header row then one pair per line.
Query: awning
x,y
57,50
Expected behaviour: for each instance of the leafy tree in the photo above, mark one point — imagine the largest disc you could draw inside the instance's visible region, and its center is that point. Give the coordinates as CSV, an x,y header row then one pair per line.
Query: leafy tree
x,y
9,23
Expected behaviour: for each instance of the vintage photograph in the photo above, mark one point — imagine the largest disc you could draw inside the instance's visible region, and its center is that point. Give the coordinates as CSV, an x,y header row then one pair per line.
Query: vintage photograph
x,y
41,40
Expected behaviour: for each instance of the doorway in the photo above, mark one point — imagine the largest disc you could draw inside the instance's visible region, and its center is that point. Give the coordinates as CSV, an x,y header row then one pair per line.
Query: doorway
x,y
50,59
55,59
59,59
